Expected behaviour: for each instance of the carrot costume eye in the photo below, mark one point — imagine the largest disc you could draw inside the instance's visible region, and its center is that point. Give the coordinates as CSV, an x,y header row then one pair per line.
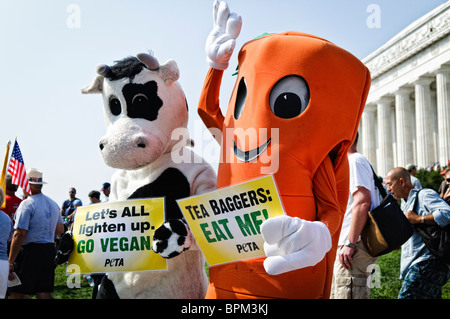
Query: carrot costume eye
x,y
289,97
240,99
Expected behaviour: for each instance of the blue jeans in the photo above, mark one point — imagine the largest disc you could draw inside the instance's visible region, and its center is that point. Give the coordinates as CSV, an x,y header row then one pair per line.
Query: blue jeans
x,y
424,280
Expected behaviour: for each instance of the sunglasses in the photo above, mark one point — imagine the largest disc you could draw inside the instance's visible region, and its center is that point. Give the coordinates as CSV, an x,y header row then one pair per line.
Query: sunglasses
x,y
448,180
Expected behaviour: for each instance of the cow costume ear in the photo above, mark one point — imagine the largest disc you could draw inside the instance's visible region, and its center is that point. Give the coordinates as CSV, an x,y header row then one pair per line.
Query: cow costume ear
x,y
95,87
169,72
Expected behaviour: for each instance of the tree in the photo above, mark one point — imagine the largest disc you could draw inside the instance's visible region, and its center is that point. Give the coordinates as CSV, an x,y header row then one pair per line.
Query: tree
x,y
429,179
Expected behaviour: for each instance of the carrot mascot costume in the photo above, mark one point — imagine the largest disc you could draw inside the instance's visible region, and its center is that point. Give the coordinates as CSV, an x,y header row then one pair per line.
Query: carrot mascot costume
x,y
293,113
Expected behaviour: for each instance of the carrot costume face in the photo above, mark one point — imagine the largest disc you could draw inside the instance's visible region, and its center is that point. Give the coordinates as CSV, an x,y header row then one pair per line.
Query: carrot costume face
x,y
293,113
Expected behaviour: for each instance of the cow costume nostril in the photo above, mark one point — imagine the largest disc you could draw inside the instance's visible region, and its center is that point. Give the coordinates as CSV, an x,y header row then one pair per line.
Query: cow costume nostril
x,y
141,142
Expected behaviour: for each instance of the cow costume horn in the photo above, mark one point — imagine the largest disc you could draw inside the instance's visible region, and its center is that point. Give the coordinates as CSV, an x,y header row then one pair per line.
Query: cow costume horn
x,y
103,70
149,60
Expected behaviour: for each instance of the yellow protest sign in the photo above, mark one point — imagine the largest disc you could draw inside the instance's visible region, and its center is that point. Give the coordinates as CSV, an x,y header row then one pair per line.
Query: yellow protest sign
x,y
226,223
117,236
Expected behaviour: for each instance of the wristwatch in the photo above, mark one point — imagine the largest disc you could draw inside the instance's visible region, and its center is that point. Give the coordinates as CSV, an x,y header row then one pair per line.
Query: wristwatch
x,y
348,243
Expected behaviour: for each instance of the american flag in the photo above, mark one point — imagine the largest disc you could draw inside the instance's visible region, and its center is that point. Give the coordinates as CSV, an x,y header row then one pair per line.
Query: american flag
x,y
17,169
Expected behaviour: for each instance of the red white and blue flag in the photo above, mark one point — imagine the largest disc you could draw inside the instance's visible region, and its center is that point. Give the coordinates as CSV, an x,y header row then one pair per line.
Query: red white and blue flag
x,y
17,169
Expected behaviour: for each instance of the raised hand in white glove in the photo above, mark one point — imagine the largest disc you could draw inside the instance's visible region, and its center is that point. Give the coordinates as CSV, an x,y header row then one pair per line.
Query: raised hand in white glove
x,y
292,243
222,39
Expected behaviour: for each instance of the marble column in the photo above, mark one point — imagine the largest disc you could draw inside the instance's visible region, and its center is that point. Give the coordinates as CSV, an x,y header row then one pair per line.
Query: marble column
x,y
443,114
424,122
404,127
368,133
385,152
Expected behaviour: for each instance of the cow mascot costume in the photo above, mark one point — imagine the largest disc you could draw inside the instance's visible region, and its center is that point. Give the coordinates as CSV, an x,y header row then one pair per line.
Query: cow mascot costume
x,y
309,94
143,105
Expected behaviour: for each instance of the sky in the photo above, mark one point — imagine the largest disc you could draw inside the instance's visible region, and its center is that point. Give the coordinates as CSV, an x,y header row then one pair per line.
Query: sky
x,y
49,50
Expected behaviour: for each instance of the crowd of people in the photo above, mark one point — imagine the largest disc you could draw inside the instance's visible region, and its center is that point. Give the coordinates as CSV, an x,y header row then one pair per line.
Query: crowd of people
x,y
28,230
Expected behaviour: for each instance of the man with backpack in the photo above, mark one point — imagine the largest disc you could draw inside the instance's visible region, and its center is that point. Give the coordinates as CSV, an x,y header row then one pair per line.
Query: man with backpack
x,y
422,271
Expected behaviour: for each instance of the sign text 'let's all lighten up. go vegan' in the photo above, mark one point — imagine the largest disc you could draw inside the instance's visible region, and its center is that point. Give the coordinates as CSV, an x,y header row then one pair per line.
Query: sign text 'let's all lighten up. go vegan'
x,y
117,236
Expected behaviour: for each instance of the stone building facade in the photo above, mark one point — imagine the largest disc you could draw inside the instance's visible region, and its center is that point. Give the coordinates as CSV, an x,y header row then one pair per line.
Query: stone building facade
x,y
407,115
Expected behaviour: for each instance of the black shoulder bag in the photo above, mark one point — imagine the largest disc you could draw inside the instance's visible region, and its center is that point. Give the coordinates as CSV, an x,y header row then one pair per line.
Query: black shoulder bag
x,y
436,238
387,228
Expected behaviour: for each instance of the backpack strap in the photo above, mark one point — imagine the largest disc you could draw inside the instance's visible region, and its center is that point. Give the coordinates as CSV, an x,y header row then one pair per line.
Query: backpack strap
x,y
415,201
378,184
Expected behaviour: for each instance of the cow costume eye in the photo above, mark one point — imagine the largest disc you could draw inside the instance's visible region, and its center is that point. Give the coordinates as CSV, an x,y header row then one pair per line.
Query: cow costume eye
x,y
114,105
289,97
140,100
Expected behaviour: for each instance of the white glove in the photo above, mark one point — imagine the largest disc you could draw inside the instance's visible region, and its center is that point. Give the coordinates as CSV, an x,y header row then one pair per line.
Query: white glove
x,y
292,243
222,39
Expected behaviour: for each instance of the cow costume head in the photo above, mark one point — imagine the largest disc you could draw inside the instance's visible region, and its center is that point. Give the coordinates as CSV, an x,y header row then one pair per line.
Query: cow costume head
x,y
143,104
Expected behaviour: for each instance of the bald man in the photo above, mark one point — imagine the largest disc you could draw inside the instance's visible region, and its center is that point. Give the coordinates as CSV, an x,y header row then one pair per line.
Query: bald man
x,y
423,275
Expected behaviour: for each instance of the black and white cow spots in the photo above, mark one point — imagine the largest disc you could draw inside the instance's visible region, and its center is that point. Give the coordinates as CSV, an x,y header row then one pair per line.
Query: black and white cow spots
x,y
142,101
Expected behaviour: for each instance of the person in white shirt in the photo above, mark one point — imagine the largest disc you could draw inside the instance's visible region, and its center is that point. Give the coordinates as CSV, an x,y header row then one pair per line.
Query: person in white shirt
x,y
353,263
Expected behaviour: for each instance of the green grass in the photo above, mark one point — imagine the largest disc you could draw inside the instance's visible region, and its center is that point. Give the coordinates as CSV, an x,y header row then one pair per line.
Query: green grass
x,y
390,284
389,277
388,281
80,288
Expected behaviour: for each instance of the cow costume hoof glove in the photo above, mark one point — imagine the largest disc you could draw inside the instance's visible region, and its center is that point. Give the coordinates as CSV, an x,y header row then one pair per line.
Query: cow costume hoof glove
x,y
65,247
222,39
172,238
292,243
